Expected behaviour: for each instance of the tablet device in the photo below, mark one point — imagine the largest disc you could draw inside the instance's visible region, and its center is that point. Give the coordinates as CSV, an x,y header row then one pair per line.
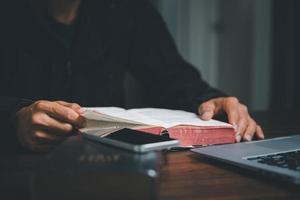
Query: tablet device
x,y
136,141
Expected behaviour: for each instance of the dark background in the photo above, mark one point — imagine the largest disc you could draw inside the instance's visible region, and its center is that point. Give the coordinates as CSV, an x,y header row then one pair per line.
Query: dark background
x,y
286,55
248,48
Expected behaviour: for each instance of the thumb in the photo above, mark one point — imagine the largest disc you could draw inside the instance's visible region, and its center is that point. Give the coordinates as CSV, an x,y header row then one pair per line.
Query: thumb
x,y
207,110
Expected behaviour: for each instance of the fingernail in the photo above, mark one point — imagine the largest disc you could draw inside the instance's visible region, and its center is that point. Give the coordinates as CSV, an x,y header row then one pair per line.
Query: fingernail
x,y
238,137
81,111
206,115
74,115
247,138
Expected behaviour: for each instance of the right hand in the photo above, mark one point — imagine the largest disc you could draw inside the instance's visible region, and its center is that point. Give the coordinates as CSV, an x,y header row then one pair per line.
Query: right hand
x,y
44,124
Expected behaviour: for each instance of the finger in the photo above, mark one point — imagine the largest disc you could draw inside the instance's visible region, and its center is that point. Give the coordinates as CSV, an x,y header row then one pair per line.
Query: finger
x,y
250,130
244,119
259,132
76,107
60,112
230,106
207,110
242,125
48,123
43,138
41,142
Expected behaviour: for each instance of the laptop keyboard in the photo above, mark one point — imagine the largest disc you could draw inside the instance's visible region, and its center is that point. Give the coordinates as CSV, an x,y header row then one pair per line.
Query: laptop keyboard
x,y
289,160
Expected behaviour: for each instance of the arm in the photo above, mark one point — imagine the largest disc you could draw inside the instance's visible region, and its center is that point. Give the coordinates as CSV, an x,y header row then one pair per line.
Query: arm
x,y
9,105
37,125
8,108
44,124
171,82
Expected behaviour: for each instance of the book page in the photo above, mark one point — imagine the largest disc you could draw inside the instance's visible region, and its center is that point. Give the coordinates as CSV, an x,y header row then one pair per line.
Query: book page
x,y
158,117
107,114
169,118
116,114
102,121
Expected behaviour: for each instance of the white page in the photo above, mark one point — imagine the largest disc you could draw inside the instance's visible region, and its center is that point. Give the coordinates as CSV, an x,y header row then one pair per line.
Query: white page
x,y
125,114
169,118
111,114
159,117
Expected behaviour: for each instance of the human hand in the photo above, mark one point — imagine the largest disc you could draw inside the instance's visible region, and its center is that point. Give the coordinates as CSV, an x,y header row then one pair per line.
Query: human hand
x,y
45,123
246,128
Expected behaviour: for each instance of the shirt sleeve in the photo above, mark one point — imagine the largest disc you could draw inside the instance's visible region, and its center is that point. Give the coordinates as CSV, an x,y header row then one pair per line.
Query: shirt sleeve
x,y
8,109
168,80
8,105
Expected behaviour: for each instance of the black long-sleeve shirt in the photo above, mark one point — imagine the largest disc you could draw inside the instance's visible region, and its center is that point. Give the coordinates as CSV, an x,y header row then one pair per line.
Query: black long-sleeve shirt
x,y
109,38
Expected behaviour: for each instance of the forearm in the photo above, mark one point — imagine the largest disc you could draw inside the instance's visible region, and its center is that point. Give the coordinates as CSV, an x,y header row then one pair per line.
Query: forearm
x,y
185,91
8,108
168,80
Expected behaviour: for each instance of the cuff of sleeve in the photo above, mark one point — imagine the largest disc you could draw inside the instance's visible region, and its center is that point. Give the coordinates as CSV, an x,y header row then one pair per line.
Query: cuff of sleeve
x,y
19,105
11,143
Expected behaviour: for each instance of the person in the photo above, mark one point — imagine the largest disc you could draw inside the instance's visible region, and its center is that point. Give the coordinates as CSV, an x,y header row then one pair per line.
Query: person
x,y
59,55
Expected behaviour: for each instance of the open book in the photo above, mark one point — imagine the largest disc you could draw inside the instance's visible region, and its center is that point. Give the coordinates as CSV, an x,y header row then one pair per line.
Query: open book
x,y
184,126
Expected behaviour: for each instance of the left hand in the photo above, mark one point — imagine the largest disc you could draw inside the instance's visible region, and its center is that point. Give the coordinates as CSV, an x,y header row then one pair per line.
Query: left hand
x,y
246,128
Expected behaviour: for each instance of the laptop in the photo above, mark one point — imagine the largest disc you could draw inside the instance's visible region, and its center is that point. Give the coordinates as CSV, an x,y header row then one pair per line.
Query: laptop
x,y
277,157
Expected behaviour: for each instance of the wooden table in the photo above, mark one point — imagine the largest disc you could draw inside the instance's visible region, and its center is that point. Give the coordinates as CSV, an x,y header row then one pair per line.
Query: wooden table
x,y
184,175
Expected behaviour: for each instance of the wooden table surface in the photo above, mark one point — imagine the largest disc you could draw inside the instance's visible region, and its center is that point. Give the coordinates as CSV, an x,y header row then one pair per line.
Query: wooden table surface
x,y
183,175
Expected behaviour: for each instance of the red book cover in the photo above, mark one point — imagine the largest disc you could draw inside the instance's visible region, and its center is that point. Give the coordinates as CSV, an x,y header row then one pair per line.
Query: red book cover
x,y
195,135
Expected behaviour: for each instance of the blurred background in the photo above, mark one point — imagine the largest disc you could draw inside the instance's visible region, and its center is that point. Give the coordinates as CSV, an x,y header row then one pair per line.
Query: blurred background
x,y
247,48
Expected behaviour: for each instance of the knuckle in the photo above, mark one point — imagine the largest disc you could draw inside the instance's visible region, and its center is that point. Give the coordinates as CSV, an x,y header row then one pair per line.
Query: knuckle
x,y
252,122
203,105
39,105
258,127
53,108
253,128
62,102
242,124
75,106
243,120
207,106
58,102
232,100
244,108
69,115
35,119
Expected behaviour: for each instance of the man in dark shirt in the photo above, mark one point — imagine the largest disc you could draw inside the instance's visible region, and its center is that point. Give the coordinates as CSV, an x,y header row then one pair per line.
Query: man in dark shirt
x,y
58,51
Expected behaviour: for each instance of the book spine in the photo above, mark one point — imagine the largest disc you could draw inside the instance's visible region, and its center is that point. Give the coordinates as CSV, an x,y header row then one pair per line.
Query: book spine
x,y
193,136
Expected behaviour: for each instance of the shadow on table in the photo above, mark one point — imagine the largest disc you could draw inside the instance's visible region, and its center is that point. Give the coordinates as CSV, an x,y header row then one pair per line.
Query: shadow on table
x,y
82,169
